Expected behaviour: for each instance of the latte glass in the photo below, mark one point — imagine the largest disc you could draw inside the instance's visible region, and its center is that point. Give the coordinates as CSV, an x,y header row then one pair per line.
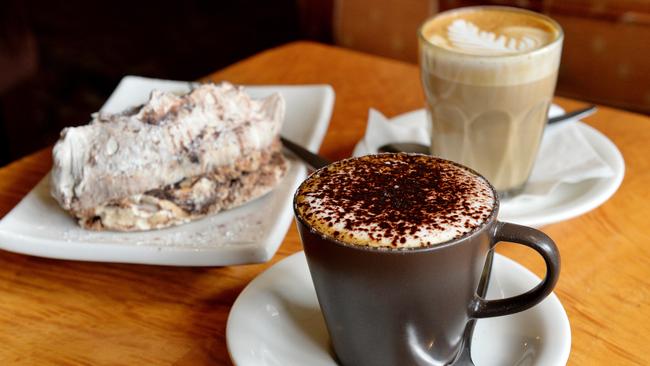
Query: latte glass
x,y
489,75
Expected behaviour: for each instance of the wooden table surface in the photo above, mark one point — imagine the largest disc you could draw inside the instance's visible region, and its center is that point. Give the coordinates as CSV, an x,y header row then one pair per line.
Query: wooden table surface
x,y
75,313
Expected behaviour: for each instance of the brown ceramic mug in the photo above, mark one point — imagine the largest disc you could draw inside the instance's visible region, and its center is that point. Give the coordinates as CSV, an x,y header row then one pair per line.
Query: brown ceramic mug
x,y
392,305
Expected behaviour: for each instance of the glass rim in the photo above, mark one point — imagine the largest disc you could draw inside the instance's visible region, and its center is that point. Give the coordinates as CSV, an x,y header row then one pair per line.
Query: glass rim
x,y
559,38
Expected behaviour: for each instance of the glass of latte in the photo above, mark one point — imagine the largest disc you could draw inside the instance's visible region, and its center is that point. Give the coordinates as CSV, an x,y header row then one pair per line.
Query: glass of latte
x,y
489,74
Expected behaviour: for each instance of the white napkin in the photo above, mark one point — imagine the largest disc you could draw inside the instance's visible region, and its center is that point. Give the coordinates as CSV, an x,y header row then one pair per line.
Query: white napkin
x,y
565,155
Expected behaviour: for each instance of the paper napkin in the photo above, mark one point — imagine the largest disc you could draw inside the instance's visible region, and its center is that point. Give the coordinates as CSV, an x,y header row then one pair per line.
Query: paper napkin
x,y
565,155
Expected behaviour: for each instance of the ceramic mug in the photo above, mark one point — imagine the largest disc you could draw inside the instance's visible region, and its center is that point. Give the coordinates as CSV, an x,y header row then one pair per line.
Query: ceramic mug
x,y
414,306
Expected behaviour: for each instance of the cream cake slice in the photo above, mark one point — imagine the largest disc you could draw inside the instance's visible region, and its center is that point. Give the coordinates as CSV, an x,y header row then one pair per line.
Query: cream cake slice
x,y
174,159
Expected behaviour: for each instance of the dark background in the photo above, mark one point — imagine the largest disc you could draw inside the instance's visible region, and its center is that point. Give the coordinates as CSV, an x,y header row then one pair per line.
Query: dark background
x,y
59,61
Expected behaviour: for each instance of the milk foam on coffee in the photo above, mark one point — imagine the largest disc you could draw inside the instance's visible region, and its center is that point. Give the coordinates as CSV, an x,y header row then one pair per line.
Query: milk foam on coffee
x,y
395,201
491,33
497,32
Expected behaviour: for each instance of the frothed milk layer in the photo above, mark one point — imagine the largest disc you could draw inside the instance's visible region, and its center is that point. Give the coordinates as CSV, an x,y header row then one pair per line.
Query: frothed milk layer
x,y
395,201
490,46
490,32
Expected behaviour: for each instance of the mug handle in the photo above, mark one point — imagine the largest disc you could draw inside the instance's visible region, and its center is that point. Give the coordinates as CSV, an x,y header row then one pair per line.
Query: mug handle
x,y
540,242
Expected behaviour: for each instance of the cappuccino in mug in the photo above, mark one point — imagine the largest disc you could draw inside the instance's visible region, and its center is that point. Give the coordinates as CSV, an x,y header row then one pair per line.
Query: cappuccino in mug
x,y
489,75
399,250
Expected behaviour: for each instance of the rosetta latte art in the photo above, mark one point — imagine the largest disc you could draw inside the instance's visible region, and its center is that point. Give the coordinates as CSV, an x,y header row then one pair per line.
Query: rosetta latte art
x,y
466,36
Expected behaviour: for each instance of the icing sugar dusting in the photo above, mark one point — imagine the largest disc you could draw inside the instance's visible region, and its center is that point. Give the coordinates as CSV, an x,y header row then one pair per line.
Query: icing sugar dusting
x,y
466,36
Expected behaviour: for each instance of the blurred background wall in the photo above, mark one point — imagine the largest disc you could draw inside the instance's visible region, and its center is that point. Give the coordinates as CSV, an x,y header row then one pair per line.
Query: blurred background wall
x,y
59,61
606,54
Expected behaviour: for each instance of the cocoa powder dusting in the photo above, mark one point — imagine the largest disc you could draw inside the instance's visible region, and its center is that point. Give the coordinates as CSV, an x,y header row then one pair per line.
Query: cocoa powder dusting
x,y
389,199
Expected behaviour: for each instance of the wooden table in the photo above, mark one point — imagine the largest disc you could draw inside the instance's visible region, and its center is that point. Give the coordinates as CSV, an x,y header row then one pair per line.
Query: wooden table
x,y
75,313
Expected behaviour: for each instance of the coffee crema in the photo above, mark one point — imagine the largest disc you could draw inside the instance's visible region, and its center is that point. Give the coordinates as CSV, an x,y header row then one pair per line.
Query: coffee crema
x,y
395,201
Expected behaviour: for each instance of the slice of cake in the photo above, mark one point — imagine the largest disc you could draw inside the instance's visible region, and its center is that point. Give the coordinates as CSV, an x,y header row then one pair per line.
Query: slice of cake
x,y
174,159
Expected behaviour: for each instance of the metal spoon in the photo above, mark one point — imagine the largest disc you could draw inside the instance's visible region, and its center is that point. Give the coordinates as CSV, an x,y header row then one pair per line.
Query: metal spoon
x,y
414,147
315,161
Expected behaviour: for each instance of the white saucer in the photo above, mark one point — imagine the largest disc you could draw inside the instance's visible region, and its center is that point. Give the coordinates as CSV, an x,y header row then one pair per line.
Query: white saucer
x,y
276,321
564,202
247,234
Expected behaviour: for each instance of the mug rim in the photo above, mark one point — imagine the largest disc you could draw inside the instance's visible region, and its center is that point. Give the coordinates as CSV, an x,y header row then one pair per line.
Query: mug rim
x,y
387,250
558,39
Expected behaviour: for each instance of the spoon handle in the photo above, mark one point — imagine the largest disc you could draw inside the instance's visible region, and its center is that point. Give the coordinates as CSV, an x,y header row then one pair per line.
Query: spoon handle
x,y
313,160
577,114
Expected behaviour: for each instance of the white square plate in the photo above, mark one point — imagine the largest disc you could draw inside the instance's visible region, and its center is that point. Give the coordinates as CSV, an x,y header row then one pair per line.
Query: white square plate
x,y
247,234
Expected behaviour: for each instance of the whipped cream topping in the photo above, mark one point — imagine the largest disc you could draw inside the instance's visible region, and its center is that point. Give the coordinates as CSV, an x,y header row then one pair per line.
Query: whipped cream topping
x,y
167,139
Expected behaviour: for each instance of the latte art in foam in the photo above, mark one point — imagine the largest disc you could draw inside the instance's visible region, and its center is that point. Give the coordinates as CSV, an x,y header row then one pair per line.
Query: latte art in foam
x,y
395,201
490,31
466,36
